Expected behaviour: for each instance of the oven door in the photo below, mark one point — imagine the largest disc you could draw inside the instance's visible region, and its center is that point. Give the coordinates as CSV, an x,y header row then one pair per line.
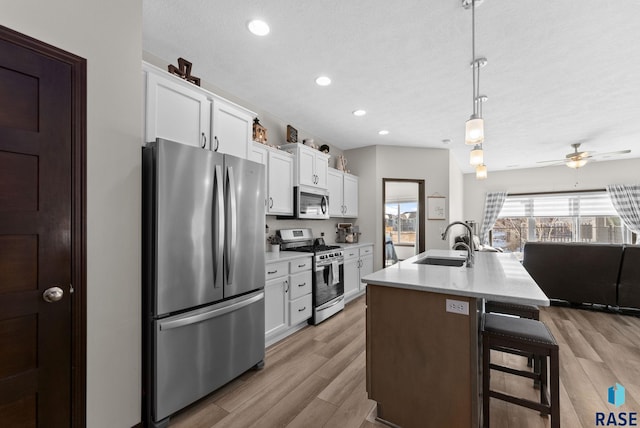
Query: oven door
x,y
326,284
311,203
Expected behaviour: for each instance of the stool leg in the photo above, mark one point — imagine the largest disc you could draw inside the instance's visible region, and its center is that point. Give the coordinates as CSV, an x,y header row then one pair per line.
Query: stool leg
x,y
555,388
486,380
537,368
544,387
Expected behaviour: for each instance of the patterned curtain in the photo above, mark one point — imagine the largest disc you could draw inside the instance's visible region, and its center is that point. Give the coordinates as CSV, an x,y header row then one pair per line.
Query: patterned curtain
x,y
626,201
492,206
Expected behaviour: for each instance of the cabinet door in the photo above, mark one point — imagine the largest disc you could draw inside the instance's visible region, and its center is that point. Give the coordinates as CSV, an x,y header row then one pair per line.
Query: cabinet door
x,y
321,170
306,167
350,195
366,267
351,277
176,112
231,129
276,311
259,153
280,183
334,184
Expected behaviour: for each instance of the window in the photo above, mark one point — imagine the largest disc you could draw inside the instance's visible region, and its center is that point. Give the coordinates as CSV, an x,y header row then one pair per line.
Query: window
x,y
558,217
400,222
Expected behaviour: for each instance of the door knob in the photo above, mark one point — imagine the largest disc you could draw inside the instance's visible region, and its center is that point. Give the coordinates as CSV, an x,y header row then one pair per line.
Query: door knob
x,y
52,294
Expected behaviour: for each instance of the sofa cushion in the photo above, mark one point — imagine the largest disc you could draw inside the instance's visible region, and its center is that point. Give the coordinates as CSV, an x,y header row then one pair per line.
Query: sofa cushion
x,y
629,285
578,273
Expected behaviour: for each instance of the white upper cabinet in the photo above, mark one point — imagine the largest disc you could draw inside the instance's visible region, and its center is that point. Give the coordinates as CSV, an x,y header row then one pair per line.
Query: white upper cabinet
x,y
180,111
311,165
176,112
279,180
231,128
343,194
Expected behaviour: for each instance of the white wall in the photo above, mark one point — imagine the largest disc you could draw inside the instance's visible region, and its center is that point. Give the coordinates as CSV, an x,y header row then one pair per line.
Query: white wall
x,y
109,35
374,163
456,196
595,175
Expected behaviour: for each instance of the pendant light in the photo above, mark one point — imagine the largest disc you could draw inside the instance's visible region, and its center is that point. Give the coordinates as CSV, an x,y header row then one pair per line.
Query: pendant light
x,y
481,172
476,157
474,128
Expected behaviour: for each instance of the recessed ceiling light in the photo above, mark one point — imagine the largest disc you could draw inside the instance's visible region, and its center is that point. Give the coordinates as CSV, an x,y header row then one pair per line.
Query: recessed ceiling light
x,y
323,81
359,112
383,132
258,27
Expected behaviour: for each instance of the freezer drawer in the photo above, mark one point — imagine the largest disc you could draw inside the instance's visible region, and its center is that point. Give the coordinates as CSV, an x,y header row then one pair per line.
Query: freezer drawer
x,y
199,351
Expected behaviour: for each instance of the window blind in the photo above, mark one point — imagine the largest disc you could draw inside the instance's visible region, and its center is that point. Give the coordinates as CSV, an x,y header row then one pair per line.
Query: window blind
x,y
559,205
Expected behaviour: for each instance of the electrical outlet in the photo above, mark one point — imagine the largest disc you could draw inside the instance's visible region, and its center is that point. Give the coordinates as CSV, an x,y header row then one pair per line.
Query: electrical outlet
x,y
457,307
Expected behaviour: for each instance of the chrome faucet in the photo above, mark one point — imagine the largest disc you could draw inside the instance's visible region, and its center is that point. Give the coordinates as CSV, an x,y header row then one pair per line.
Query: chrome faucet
x,y
470,248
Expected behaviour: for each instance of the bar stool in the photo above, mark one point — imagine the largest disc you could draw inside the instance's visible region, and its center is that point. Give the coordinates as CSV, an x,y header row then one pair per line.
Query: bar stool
x,y
518,336
522,311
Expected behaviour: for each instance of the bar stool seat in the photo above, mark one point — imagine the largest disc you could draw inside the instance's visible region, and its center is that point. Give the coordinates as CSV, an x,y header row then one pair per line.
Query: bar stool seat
x,y
522,336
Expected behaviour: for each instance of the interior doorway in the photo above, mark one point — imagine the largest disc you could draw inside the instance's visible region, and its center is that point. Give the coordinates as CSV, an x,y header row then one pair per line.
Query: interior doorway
x,y
402,219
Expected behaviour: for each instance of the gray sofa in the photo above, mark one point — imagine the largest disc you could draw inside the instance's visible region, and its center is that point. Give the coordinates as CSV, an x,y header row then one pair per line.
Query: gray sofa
x,y
586,273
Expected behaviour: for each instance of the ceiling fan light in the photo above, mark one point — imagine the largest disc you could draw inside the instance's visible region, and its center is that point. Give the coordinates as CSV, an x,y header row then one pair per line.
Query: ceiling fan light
x,y
576,163
474,131
477,155
481,172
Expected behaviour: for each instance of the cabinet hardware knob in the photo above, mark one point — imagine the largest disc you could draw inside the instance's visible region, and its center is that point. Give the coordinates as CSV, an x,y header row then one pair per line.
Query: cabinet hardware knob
x,y
272,272
217,143
286,284
300,310
301,266
204,140
302,285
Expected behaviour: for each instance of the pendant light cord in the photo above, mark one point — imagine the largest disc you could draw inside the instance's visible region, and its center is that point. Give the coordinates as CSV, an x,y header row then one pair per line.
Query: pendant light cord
x,y
473,53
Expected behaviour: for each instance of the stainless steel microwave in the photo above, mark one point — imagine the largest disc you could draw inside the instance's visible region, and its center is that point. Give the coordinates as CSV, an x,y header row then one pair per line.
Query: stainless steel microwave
x,y
310,203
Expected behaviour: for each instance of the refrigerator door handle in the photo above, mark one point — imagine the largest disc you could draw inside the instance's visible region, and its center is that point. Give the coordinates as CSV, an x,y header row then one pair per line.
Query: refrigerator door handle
x,y
232,236
219,250
193,319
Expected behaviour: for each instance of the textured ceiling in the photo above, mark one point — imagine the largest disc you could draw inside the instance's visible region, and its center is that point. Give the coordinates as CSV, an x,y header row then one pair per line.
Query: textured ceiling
x,y
558,72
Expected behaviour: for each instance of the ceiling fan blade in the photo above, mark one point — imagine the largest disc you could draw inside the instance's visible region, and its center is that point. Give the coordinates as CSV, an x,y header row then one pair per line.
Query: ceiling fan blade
x,y
559,161
619,152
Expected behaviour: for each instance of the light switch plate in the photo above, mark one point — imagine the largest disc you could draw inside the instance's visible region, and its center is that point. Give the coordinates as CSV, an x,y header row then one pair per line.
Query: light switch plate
x,y
457,307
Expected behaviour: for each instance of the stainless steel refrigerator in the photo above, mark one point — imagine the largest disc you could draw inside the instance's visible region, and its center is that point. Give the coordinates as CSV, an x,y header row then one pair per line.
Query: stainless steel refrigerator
x,y
203,274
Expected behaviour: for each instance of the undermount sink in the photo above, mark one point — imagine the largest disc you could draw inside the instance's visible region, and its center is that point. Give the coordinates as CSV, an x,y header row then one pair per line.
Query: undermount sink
x,y
440,261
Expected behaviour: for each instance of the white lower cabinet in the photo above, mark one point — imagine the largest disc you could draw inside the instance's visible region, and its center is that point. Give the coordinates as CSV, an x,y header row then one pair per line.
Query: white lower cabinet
x,y
358,262
288,302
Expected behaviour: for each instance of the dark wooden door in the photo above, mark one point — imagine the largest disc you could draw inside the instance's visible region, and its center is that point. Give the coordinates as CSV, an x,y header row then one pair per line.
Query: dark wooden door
x,y
36,206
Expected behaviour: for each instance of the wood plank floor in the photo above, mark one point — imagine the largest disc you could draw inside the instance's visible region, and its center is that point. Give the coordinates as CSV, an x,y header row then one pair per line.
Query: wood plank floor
x,y
316,377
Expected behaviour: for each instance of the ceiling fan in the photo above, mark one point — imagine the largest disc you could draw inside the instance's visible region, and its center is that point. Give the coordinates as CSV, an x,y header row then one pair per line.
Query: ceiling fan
x,y
578,159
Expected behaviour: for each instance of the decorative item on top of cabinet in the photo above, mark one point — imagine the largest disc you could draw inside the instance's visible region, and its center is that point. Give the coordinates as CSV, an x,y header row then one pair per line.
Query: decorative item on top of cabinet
x,y
259,132
292,134
341,163
184,71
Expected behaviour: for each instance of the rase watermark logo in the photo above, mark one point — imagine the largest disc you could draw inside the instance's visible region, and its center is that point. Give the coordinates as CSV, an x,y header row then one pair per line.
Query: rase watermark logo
x,y
615,396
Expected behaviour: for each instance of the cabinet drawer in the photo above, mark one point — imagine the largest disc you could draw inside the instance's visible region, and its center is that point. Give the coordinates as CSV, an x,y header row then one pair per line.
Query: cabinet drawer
x,y
366,250
300,284
351,253
275,270
300,265
300,309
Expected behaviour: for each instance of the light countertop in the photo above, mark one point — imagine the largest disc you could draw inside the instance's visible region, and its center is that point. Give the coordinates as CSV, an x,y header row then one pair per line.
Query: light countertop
x,y
283,256
495,276
356,245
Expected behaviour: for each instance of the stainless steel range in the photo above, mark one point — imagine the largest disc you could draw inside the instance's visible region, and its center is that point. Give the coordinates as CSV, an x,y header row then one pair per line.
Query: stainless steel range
x,y
328,271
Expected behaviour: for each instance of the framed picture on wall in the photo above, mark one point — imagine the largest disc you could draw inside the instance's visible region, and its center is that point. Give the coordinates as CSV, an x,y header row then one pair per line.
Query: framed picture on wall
x,y
436,207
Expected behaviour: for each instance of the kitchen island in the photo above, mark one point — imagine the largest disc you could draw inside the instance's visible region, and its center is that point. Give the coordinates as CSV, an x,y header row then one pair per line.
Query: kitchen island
x,y
423,325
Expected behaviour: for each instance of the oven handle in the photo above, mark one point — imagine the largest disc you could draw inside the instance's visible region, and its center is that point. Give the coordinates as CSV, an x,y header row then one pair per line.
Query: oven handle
x,y
333,304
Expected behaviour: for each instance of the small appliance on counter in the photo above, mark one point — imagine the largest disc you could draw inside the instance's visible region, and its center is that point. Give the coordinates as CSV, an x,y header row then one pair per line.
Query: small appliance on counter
x,y
347,233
